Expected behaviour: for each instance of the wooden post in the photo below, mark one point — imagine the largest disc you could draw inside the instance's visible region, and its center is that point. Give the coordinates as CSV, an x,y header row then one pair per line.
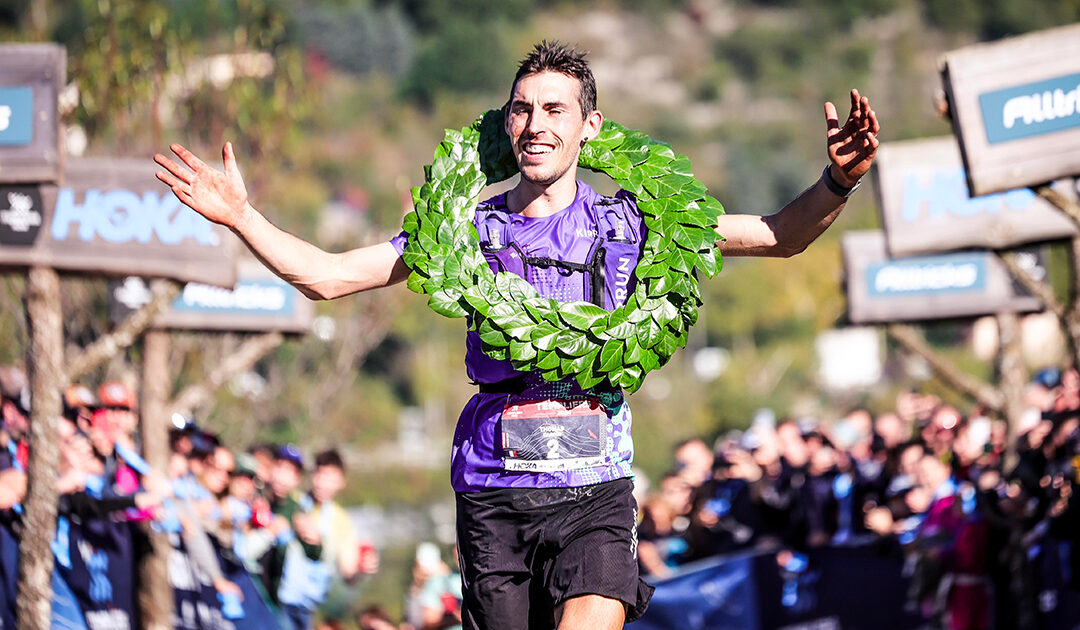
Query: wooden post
x,y
45,361
1012,378
155,593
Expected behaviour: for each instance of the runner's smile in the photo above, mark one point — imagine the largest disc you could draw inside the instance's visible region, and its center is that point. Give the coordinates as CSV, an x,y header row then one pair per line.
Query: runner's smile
x,y
545,125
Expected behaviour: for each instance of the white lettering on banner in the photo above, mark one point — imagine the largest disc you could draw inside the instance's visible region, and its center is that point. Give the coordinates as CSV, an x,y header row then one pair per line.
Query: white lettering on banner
x,y
247,297
622,279
1037,108
180,575
895,279
20,215
120,216
827,623
5,117
86,550
107,620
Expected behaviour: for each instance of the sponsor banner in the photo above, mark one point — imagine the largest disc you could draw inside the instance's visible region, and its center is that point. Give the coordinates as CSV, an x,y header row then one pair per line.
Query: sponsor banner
x,y
1015,106
31,77
823,589
925,205
716,593
9,568
965,284
100,572
198,606
112,217
260,302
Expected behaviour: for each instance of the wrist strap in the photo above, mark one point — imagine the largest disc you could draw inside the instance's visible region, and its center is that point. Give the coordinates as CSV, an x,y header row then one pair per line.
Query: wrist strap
x,y
835,187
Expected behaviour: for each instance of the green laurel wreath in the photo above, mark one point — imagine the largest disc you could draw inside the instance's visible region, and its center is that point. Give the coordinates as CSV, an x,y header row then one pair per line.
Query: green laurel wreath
x,y
565,339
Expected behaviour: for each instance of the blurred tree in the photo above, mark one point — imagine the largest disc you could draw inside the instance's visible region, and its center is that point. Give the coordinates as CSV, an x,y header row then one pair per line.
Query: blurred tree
x,y
358,38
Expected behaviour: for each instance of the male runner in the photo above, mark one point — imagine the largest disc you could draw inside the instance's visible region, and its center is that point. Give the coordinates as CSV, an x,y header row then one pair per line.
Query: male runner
x,y
557,547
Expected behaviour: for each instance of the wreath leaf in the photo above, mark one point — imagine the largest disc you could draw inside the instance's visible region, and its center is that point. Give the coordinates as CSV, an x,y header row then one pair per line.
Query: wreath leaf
x,y
572,339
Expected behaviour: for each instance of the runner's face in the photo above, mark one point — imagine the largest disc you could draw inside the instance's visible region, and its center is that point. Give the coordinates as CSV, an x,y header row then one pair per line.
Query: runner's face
x,y
546,127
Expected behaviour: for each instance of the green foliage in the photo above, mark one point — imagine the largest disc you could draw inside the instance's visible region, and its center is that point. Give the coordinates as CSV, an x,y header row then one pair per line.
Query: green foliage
x,y
562,340
994,19
358,38
467,57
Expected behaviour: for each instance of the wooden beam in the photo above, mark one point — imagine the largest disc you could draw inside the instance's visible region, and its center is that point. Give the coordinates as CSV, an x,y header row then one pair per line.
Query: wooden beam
x,y
965,383
125,334
253,349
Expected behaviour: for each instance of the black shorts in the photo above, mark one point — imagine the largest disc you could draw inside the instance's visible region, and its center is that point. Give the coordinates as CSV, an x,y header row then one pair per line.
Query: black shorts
x,y
524,551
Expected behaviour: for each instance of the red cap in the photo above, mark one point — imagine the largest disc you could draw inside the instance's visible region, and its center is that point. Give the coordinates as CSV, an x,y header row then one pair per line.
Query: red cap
x,y
116,394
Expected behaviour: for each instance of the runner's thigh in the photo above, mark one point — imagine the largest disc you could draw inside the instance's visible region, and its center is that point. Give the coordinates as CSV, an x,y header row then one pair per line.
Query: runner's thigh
x,y
497,546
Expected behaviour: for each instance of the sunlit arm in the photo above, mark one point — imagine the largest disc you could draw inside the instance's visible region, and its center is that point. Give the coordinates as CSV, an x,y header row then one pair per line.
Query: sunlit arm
x,y
784,234
221,197
318,274
851,149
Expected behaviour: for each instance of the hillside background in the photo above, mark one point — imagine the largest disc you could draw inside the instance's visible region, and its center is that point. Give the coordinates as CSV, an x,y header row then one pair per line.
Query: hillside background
x,y
332,137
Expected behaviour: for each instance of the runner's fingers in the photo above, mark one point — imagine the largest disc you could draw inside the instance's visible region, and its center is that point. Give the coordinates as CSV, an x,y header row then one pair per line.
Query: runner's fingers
x,y
228,157
171,180
178,171
189,158
185,198
832,121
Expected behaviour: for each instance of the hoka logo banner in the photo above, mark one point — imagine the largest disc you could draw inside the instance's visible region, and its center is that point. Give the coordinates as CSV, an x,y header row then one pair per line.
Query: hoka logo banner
x,y
947,195
122,216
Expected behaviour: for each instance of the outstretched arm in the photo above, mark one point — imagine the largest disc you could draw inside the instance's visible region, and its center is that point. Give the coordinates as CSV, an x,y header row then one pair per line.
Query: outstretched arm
x,y
222,198
851,149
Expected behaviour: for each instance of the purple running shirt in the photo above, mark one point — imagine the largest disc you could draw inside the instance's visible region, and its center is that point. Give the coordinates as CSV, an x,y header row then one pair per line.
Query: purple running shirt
x,y
570,235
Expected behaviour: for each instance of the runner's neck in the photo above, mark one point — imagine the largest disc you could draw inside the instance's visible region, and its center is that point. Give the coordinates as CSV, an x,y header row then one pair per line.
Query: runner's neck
x,y
542,200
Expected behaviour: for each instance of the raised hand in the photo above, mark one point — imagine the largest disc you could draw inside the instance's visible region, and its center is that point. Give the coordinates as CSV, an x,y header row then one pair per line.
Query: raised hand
x,y
219,196
852,147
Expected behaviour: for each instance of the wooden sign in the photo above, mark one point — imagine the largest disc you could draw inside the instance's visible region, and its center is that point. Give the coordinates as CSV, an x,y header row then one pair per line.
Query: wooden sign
x,y
962,284
1015,107
113,217
925,205
260,302
31,77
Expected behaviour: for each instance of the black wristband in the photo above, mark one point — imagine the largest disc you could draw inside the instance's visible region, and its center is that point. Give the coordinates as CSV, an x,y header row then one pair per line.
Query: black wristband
x,y
835,187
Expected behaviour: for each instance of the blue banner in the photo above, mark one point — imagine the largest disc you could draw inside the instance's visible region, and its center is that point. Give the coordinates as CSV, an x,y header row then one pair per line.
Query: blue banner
x,y
823,589
16,115
9,566
249,297
198,606
1033,109
101,574
714,594
928,275
944,193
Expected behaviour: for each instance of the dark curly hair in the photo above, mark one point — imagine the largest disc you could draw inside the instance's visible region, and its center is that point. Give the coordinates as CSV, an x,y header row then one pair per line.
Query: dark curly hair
x,y
555,56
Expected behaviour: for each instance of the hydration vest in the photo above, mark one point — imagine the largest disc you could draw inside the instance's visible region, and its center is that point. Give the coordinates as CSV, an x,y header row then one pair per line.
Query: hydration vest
x,y
600,271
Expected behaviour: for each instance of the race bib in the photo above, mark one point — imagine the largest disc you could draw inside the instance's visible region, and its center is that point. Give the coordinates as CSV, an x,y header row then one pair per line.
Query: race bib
x,y
554,435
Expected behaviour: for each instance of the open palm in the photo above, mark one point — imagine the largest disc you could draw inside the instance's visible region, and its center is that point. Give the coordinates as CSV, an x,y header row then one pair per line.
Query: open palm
x,y
220,196
852,147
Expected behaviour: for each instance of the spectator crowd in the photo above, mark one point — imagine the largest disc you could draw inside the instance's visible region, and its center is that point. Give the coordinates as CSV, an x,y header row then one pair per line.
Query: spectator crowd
x,y
981,516
269,508
980,526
